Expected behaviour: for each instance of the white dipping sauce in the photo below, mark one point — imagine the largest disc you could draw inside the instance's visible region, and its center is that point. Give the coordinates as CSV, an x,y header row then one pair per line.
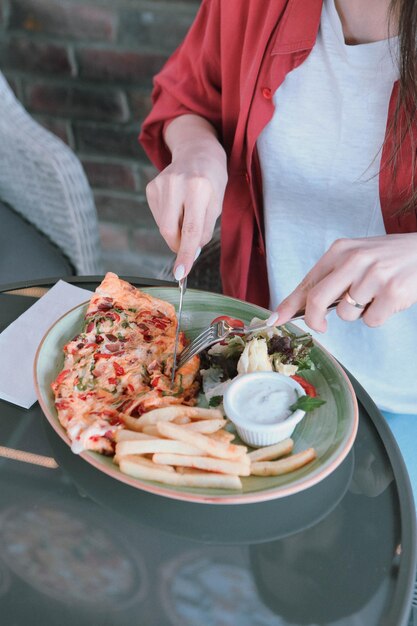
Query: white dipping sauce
x,y
258,403
264,400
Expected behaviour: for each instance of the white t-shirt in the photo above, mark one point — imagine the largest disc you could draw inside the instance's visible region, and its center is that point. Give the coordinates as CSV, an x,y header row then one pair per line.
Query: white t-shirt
x,y
320,157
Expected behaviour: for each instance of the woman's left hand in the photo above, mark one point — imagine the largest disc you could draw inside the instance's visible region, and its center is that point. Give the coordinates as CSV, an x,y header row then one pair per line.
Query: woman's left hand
x,y
379,273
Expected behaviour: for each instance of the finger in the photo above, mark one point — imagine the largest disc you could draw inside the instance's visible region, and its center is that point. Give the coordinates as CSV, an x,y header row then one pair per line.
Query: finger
x,y
345,269
191,232
333,287
168,222
297,300
383,297
321,297
371,288
387,301
378,311
171,211
152,196
353,304
165,203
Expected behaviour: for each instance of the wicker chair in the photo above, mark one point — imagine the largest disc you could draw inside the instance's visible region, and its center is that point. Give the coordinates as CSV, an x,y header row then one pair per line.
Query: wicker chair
x,y
205,274
42,179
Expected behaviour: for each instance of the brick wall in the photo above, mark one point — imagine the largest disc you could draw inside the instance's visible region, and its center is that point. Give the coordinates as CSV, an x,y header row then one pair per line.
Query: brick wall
x,y
83,69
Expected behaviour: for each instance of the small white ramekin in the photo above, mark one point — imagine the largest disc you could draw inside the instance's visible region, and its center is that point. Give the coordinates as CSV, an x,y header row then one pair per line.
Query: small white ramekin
x,y
253,433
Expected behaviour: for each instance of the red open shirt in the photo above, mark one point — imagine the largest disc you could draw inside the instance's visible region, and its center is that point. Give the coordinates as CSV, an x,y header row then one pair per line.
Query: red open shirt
x,y
232,60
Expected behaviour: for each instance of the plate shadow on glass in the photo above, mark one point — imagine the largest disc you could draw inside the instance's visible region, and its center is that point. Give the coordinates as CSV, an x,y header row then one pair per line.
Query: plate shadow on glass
x,y
238,525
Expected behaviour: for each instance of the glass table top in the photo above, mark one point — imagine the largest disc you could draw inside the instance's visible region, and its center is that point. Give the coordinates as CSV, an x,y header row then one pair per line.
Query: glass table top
x,y
78,547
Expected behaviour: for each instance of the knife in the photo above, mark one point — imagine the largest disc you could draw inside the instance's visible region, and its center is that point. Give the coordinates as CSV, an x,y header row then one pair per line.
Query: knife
x,y
182,284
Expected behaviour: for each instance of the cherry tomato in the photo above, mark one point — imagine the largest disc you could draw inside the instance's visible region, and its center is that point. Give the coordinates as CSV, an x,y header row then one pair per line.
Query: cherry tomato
x,y
230,320
308,387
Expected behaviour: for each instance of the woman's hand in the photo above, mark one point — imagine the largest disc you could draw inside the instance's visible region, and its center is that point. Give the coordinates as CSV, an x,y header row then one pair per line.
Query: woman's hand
x,y
377,272
186,197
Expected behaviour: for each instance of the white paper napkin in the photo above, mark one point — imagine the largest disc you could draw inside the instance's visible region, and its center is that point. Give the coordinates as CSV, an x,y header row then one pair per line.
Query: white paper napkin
x,y
20,340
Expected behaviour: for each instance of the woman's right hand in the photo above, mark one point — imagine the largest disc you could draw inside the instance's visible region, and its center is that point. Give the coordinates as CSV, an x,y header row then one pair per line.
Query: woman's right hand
x,y
186,197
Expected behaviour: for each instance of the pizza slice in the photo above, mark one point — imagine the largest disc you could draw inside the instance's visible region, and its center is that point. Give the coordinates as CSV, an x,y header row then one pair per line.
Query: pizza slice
x,y
120,365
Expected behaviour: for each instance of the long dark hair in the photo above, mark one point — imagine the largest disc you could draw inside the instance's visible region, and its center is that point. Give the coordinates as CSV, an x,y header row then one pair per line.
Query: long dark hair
x,y
403,13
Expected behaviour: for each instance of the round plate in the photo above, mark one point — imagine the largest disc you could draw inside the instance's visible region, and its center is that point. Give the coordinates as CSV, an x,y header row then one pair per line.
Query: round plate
x,y
330,429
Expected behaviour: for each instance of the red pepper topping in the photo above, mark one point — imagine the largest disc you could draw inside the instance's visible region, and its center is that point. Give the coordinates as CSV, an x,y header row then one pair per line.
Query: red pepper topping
x,y
155,381
61,376
84,396
102,355
113,316
99,339
112,381
118,369
308,387
104,306
111,337
62,404
160,324
90,327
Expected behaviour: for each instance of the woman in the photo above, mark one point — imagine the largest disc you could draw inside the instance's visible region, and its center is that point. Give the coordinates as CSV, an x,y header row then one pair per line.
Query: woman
x,y
297,121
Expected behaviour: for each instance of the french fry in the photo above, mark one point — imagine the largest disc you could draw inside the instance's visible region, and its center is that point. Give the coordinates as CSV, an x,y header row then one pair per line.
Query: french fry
x,y
209,446
151,430
129,435
182,419
150,446
283,466
209,464
130,465
190,447
189,470
141,460
184,470
130,422
269,453
205,426
222,435
169,413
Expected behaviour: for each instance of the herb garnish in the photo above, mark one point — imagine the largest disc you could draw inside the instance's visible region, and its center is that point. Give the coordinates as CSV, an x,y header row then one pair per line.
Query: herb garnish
x,y
215,401
306,403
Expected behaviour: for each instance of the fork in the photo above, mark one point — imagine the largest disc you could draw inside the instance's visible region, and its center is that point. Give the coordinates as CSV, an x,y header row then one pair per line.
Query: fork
x,y
217,331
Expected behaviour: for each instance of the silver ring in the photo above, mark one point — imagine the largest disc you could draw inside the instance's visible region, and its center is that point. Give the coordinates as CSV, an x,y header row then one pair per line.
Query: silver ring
x,y
353,302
